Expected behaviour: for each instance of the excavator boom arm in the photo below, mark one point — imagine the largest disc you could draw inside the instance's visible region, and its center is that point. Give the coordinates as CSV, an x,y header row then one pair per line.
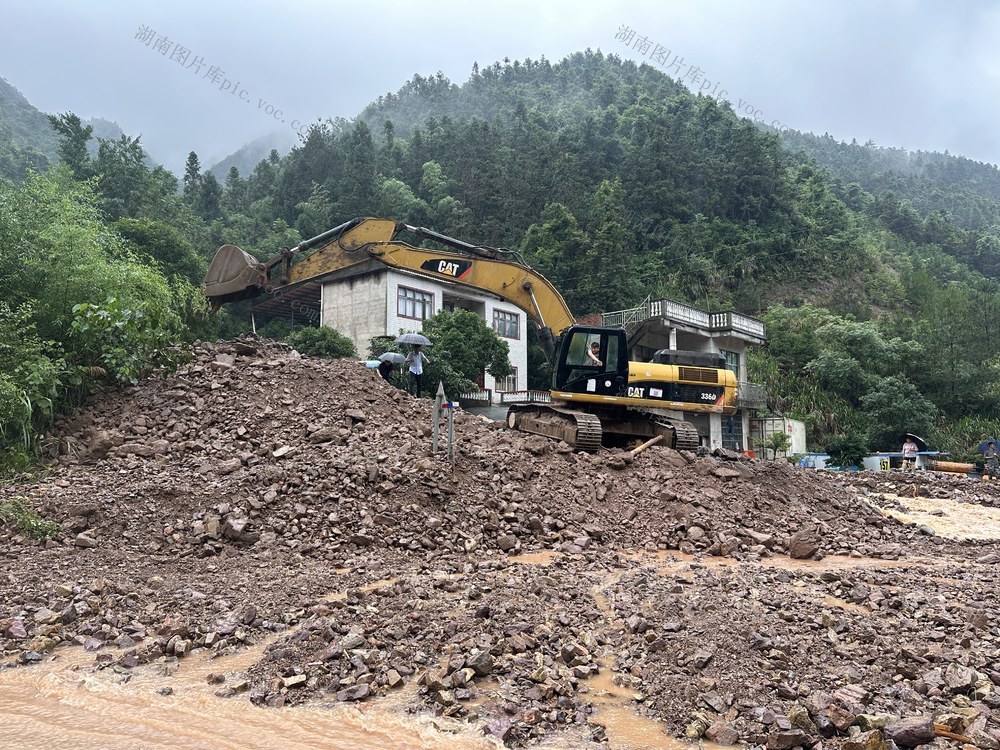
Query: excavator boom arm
x,y
236,275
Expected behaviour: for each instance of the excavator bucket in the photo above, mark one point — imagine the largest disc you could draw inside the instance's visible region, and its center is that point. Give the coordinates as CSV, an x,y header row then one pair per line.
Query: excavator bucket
x,y
234,275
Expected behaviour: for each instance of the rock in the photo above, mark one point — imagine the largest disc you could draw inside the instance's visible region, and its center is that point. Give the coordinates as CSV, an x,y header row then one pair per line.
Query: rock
x,y
722,733
481,663
100,443
82,540
223,468
393,679
354,693
911,731
787,739
803,544
841,717
959,679
135,449
323,435
500,728
873,740
983,740
868,722
297,680
507,542
799,717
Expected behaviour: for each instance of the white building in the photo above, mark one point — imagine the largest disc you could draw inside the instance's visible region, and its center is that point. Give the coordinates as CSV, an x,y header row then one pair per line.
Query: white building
x,y
371,300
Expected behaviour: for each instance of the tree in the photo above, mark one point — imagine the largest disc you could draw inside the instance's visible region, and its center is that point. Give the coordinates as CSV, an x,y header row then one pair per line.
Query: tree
x,y
208,199
73,146
165,245
778,441
192,177
561,252
316,214
846,450
894,407
469,345
122,176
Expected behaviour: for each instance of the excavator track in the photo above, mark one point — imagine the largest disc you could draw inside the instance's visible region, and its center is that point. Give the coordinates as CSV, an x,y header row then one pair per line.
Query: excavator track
x,y
685,434
578,429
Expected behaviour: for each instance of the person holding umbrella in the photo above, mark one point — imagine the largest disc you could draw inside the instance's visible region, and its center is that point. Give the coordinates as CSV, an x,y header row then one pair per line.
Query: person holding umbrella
x,y
992,464
909,454
386,362
416,361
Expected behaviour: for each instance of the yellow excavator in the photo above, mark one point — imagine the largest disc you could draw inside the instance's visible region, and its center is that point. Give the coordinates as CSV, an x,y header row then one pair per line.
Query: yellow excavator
x,y
596,392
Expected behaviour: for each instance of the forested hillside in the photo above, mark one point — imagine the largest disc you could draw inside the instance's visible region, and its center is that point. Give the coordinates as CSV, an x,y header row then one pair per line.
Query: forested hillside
x,y
26,140
611,179
966,191
247,156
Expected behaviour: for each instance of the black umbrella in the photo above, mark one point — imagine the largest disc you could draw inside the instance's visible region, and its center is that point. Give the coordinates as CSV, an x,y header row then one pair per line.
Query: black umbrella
x,y
413,338
921,443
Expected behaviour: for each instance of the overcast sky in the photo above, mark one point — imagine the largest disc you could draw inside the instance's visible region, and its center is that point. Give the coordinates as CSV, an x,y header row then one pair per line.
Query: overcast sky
x,y
917,74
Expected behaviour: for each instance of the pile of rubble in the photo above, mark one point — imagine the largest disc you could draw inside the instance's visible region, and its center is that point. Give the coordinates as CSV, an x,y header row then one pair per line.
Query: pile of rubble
x,y
258,495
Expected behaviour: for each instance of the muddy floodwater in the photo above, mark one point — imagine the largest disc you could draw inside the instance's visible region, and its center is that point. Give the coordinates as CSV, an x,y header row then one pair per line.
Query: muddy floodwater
x,y
948,518
46,706
64,702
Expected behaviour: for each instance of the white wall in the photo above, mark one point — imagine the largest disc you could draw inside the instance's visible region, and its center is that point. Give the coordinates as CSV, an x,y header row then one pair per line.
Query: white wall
x,y
394,321
795,430
518,347
366,306
356,307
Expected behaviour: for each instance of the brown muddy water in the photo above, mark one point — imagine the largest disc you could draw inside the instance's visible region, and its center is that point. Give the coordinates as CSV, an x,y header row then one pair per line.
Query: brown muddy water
x,y
65,702
948,518
61,703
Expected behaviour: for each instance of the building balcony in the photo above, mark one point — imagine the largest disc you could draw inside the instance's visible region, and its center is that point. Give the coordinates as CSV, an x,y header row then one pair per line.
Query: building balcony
x,y
751,396
682,315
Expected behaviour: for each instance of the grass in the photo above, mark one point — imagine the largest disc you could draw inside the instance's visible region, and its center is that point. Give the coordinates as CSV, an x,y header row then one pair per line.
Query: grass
x,y
16,513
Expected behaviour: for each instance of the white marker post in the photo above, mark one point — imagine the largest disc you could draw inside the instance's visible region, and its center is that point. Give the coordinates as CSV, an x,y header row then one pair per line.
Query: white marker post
x,y
441,403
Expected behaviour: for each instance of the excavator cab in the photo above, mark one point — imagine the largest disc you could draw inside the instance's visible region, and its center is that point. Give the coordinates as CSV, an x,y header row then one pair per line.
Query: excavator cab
x,y
592,361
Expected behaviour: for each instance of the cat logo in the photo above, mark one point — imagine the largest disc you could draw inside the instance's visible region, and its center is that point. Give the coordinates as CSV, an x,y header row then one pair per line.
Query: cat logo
x,y
451,267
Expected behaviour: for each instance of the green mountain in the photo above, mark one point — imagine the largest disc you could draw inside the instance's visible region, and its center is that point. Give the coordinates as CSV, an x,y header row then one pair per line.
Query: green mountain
x,y
250,154
26,138
967,191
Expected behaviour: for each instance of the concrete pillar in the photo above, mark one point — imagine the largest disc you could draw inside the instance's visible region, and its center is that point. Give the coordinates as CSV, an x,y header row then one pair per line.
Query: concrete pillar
x,y
714,431
673,338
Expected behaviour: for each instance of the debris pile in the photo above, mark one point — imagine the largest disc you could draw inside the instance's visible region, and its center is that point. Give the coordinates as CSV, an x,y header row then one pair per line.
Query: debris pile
x,y
256,496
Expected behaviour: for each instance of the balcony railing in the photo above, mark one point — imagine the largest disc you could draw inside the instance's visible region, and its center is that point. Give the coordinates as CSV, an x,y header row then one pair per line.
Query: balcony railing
x,y
524,397
751,395
680,313
734,321
482,397
666,308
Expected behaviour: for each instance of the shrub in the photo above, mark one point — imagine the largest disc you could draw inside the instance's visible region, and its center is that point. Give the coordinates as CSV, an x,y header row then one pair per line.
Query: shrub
x,y
16,513
322,342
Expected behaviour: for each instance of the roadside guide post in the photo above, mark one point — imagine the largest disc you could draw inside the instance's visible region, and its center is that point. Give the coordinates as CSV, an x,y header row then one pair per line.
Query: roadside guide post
x,y
440,404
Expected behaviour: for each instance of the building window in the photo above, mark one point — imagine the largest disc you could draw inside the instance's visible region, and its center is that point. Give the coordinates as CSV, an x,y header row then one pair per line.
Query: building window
x,y
505,324
412,303
507,384
732,362
732,432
